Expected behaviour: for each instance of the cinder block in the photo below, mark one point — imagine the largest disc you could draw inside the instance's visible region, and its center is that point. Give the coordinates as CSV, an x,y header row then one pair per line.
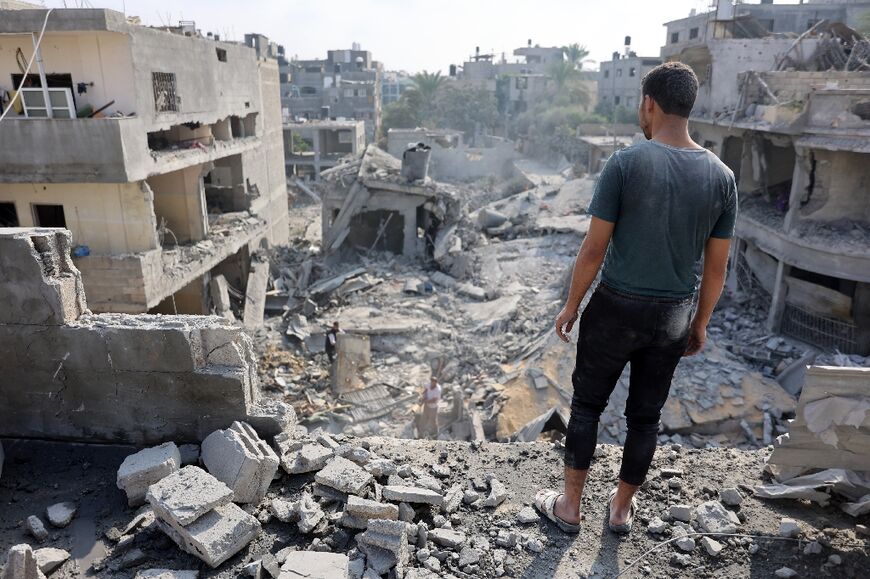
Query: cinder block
x,y
344,476
241,460
146,467
186,495
21,564
215,536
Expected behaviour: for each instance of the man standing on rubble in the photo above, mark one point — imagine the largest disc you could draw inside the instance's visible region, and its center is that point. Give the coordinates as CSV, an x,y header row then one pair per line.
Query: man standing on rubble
x,y
429,415
331,341
663,213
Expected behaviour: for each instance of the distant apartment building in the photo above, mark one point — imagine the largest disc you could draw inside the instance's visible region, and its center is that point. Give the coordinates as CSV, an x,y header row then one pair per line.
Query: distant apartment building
x,y
160,150
791,117
393,85
619,79
346,85
517,83
313,146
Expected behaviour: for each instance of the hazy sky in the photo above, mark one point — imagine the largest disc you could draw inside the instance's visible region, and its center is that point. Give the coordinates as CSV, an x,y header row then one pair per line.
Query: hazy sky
x,y
414,35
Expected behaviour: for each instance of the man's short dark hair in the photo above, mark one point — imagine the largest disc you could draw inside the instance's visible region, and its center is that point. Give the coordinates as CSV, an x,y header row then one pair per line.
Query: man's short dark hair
x,y
672,85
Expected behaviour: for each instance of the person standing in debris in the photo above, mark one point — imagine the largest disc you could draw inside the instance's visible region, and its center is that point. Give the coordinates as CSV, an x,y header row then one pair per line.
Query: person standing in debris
x,y
429,416
663,213
331,341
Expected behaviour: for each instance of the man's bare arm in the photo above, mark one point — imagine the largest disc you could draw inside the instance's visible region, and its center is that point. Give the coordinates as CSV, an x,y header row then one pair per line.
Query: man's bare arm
x,y
586,267
712,282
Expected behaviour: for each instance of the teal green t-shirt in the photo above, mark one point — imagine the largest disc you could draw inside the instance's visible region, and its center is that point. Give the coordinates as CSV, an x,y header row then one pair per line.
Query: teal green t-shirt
x,y
665,202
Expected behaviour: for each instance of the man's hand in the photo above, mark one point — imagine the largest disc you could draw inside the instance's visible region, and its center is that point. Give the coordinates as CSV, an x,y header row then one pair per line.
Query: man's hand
x,y
697,339
565,322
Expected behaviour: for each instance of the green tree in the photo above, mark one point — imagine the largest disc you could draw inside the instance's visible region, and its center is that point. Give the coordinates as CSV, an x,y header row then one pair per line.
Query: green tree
x,y
404,113
575,53
465,109
561,72
428,85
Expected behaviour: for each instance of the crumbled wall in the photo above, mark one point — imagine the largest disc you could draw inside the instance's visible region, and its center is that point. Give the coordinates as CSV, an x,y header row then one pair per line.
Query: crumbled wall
x,y
68,374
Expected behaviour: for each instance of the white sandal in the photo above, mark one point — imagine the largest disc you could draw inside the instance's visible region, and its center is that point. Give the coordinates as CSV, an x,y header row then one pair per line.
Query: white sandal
x,y
545,501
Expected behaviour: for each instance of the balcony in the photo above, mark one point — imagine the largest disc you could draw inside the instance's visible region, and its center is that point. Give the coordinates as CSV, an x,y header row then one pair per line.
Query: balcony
x,y
835,249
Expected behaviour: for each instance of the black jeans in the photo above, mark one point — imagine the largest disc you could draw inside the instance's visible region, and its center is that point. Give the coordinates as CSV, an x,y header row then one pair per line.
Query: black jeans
x,y
617,328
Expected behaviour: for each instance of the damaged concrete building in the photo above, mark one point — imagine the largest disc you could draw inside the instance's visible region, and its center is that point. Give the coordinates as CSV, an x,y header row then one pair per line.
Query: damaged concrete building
x,y
69,374
344,85
789,116
313,146
368,203
161,151
454,160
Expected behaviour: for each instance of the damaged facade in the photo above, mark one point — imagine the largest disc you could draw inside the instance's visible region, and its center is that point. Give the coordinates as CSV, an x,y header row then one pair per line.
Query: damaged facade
x,y
162,154
314,146
344,85
789,116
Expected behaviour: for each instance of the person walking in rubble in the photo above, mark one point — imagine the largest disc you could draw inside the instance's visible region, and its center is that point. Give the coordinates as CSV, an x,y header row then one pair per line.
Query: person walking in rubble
x,y
331,341
428,427
663,213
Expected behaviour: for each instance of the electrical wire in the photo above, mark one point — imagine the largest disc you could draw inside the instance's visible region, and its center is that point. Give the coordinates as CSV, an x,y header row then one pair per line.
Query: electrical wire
x,y
29,64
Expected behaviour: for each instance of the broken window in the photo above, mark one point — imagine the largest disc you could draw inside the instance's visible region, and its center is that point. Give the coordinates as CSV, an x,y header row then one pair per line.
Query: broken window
x,y
221,54
522,82
632,71
308,90
48,215
606,74
616,99
348,93
675,37
618,72
8,215
693,33
165,98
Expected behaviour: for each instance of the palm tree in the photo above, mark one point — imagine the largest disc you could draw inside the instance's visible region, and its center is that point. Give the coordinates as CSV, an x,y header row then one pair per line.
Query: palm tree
x,y
575,54
561,72
427,84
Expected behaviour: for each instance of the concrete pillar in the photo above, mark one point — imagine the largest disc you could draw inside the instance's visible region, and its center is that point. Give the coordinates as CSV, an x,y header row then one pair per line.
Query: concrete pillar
x,y
799,183
315,139
738,246
409,243
777,300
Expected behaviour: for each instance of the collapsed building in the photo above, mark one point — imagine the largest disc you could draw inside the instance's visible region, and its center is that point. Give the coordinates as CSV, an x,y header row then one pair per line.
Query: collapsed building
x,y
160,150
369,202
452,158
789,117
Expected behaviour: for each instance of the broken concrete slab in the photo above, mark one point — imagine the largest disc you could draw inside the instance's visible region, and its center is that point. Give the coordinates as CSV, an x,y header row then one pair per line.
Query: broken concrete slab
x,y
146,467
407,494
447,538
713,517
344,476
21,564
242,460
368,509
215,536
48,559
61,514
314,565
166,574
308,458
186,495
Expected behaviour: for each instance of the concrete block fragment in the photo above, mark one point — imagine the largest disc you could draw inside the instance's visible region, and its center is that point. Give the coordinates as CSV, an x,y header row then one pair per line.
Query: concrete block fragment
x,y
49,559
497,493
310,513
715,518
712,546
447,538
350,521
309,458
731,497
36,527
61,514
453,498
271,418
215,536
381,467
21,564
186,495
385,542
329,494
284,511
789,528
242,460
527,516
412,495
166,574
681,513
368,509
146,467
314,565
344,476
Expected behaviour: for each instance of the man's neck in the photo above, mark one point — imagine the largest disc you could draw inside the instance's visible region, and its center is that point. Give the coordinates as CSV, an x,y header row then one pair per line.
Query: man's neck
x,y
674,133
